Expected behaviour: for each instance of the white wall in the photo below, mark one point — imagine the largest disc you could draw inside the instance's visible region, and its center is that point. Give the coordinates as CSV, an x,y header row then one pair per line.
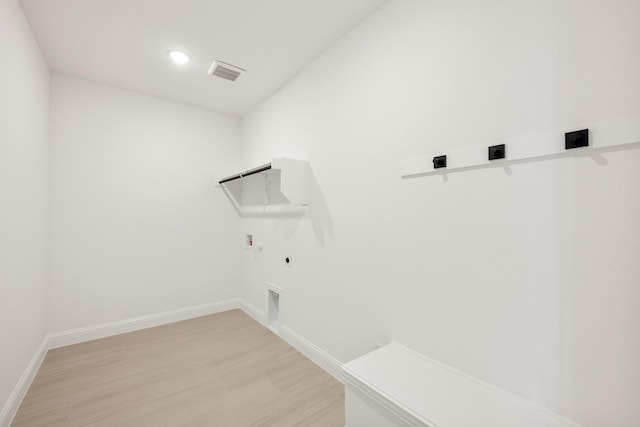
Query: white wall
x,y
526,277
24,124
137,225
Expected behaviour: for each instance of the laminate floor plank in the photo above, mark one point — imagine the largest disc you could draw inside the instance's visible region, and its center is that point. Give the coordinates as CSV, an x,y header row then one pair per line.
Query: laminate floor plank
x,y
219,370
57,417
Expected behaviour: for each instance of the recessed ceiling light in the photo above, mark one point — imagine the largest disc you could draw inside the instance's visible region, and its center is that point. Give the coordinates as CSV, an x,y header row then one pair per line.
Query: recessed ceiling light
x,y
179,57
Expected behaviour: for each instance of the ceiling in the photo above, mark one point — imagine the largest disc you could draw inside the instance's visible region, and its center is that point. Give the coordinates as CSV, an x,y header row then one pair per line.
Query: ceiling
x,y
126,43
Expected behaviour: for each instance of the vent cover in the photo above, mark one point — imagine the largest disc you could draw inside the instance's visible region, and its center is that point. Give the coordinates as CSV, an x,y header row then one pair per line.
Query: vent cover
x,y
225,71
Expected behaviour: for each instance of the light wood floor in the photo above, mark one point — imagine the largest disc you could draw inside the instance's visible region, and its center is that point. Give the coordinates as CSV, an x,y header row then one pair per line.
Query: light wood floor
x,y
219,370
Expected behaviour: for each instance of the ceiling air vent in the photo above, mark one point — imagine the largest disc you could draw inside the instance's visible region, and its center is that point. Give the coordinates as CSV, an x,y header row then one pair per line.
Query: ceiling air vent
x,y
225,71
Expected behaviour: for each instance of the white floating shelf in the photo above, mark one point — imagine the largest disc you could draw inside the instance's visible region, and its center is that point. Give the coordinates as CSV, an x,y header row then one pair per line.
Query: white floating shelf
x,y
602,134
282,182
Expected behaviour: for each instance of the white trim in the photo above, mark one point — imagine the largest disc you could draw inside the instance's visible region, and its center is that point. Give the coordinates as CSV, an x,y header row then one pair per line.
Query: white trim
x,y
321,358
61,339
383,401
15,399
254,312
380,402
274,288
313,352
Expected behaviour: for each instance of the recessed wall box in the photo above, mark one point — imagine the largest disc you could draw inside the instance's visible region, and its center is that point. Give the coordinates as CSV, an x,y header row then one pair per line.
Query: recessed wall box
x,y
577,139
497,152
439,162
274,307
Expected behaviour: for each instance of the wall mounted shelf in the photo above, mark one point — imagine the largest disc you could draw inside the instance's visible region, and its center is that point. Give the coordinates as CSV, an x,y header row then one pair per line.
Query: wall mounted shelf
x,y
603,135
244,174
281,184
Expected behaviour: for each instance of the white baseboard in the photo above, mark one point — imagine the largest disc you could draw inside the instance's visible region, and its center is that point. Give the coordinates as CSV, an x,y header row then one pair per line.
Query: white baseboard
x,y
253,312
321,358
313,352
61,339
13,403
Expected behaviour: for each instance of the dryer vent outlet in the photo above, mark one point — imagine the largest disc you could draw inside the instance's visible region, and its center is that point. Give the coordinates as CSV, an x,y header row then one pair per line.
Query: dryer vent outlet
x,y
225,71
